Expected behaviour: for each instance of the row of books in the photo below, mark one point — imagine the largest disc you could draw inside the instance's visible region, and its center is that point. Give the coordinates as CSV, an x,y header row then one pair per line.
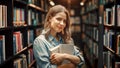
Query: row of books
x,y
118,44
39,3
107,57
19,17
89,50
3,16
91,18
2,48
17,43
21,62
108,38
106,1
92,32
33,18
95,49
109,16
30,36
18,40
30,56
89,6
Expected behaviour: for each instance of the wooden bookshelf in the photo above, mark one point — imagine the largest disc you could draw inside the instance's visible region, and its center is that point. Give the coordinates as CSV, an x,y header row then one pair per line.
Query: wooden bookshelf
x,y
15,26
107,25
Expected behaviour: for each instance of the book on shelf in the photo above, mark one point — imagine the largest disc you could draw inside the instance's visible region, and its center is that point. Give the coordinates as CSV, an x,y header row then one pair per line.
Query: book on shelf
x,y
21,62
107,57
19,17
117,64
17,42
30,56
30,36
33,17
108,38
2,48
3,16
109,16
118,15
63,48
118,44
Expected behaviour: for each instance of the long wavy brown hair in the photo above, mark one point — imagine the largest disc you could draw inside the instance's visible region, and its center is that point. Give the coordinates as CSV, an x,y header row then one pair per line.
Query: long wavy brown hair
x,y
65,34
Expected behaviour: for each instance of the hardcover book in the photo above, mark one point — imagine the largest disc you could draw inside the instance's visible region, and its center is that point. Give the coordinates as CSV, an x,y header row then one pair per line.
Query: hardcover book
x,y
63,48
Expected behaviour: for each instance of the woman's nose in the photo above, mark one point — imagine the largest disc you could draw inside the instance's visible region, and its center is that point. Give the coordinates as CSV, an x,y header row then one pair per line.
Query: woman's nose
x,y
62,22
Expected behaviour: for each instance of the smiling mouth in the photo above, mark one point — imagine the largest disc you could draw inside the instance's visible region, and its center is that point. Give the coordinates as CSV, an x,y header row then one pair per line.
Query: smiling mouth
x,y
60,27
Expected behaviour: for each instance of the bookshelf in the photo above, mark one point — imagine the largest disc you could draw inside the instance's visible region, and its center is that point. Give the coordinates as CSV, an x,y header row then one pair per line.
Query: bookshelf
x,y
75,26
20,22
89,31
100,33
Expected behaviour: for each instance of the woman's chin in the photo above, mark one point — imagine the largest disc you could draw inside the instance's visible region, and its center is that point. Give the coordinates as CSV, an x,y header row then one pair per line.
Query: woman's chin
x,y
58,31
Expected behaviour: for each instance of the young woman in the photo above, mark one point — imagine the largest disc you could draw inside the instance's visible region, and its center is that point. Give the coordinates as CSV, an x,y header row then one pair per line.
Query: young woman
x,y
56,31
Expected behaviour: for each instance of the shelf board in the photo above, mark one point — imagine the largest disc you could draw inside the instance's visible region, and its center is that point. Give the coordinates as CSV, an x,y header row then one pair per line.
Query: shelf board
x,y
30,45
13,57
36,7
18,28
91,38
21,51
92,25
33,62
109,49
21,2
6,28
34,27
90,11
112,51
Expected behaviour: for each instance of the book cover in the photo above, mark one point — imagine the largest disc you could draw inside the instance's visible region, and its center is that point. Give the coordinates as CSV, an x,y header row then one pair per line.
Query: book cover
x,y
2,48
117,64
63,48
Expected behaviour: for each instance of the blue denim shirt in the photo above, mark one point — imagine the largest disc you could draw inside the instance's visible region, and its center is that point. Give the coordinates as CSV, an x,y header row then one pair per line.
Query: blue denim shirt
x,y
42,54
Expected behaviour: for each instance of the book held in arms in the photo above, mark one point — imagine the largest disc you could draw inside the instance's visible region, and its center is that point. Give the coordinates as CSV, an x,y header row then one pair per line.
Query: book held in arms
x,y
63,48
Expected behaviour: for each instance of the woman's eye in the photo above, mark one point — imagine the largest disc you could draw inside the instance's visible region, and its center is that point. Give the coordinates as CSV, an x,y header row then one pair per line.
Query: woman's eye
x,y
59,19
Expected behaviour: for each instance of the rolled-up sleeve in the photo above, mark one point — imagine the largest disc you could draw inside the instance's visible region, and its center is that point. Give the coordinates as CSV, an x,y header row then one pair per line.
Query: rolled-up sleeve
x,y
77,53
41,54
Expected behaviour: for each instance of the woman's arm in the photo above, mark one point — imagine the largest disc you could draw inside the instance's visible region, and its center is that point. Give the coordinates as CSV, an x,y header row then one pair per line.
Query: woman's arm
x,y
57,58
42,54
67,65
76,59
73,59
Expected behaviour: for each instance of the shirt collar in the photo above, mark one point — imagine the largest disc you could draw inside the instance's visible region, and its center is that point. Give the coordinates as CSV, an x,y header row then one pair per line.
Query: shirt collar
x,y
51,38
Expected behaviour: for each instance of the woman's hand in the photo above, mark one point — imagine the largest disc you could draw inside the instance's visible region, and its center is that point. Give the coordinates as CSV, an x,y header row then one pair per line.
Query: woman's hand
x,y
57,58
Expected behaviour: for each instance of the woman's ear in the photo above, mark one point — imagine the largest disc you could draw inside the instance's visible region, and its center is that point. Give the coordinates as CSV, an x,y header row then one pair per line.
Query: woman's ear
x,y
50,19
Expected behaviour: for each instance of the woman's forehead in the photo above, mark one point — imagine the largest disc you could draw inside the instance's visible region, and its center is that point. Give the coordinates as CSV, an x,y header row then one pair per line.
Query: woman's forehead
x,y
61,14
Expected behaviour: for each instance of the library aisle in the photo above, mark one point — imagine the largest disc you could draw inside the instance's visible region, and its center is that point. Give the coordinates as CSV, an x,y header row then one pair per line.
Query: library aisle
x,y
95,29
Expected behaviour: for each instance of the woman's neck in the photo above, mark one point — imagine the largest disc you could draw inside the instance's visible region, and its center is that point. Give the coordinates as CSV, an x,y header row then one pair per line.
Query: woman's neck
x,y
54,34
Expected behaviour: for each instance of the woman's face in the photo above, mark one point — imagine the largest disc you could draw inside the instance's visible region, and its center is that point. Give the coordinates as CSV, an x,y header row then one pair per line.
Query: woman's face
x,y
58,22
